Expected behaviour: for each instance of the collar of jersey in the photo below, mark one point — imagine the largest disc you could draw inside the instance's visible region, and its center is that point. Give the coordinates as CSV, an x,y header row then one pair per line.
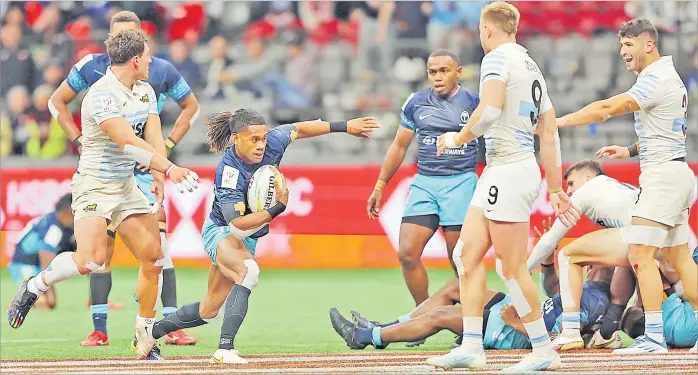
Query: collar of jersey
x,y
512,45
663,61
110,75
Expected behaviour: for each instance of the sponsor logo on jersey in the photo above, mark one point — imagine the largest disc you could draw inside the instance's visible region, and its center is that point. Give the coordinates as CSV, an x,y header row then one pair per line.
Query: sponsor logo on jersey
x,y
145,99
464,117
90,207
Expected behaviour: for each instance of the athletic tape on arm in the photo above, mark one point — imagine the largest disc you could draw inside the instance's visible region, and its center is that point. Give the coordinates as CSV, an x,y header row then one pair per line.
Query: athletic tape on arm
x,y
52,108
242,234
490,114
142,156
547,244
195,116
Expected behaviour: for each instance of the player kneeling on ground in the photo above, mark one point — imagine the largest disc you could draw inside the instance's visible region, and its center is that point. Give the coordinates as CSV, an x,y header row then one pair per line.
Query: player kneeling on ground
x,y
231,231
40,241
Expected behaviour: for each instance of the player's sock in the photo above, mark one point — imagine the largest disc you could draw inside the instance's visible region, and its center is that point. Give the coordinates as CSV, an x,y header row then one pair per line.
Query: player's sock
x,y
62,267
169,291
235,311
654,327
100,286
540,340
570,323
472,333
610,320
186,317
364,335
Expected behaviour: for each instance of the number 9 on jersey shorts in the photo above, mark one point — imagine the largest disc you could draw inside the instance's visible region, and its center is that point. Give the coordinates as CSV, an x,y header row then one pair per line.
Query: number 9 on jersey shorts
x,y
213,234
446,196
506,192
113,200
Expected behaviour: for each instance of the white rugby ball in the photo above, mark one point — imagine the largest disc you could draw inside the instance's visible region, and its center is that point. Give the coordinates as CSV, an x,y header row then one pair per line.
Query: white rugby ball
x,y
261,192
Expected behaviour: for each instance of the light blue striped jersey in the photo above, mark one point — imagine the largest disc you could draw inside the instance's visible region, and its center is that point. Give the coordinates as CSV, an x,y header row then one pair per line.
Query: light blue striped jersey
x,y
109,98
510,139
660,124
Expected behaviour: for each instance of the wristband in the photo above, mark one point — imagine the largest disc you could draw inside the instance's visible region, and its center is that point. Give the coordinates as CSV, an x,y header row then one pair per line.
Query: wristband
x,y
380,185
170,144
167,171
338,127
77,142
276,209
632,149
554,191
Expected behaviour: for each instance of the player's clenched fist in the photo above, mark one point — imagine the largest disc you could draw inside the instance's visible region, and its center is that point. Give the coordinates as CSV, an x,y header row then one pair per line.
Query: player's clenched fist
x,y
446,141
183,178
361,127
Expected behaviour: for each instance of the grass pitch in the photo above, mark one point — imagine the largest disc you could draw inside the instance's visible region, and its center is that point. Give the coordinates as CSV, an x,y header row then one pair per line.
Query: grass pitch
x,y
288,313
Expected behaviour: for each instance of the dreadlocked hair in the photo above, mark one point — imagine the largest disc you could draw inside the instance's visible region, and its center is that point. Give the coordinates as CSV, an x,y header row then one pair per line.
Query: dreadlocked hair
x,y
223,125
218,131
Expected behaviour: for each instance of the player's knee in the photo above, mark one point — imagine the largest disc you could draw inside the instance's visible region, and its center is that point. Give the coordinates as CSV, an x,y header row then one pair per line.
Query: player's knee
x,y
409,258
457,257
209,313
438,316
250,275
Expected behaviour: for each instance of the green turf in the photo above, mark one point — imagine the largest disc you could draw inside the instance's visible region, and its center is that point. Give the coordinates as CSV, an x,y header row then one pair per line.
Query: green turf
x,y
288,313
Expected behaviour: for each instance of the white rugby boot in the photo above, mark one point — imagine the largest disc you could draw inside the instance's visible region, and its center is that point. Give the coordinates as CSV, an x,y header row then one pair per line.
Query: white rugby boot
x,y
536,362
459,357
568,341
643,345
144,341
598,342
227,356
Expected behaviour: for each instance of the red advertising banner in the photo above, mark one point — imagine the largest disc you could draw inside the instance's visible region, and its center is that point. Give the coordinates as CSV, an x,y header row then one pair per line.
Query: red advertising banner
x,y
325,225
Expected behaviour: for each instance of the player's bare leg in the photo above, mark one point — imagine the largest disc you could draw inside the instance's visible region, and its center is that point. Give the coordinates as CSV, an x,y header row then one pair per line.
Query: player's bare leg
x,y
100,287
622,289
602,247
645,238
140,234
468,254
90,235
451,236
413,238
510,241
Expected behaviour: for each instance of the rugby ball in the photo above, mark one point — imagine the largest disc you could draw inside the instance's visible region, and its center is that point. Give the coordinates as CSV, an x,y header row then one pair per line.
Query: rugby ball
x,y
261,192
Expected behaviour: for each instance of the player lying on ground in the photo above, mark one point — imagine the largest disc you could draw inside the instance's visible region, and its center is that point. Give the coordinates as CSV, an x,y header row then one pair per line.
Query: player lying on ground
x,y
231,231
104,188
441,191
680,327
660,217
166,81
502,328
514,104
39,242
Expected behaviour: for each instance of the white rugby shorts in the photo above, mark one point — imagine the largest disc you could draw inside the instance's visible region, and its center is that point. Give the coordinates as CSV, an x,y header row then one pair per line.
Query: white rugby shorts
x,y
666,194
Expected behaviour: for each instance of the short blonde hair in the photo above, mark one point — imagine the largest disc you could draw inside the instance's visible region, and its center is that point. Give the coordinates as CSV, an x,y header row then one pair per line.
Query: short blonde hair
x,y
504,15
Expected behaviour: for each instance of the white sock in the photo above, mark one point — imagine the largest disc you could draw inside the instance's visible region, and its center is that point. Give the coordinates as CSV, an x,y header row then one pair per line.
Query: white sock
x,y
472,333
62,267
540,340
570,323
142,322
654,326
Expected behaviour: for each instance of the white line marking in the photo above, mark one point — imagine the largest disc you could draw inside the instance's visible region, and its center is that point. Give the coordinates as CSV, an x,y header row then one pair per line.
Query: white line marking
x,y
3,341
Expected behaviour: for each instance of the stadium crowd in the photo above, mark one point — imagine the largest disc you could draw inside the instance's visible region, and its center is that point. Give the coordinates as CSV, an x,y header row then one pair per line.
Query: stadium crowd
x,y
302,60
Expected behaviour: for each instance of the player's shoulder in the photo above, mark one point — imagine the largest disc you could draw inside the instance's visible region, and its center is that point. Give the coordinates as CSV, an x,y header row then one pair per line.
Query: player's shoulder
x,y
467,94
93,61
416,98
160,63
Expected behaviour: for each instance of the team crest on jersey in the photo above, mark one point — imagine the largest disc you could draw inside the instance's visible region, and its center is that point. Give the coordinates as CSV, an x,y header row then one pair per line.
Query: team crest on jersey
x,y
464,117
145,99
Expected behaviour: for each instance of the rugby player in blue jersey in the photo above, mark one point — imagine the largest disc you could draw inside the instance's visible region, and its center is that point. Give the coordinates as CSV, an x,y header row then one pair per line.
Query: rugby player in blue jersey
x,y
231,230
166,82
441,190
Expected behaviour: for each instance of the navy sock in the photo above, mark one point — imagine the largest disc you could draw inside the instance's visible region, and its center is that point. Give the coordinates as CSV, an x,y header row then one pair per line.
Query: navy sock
x,y
100,322
389,324
364,336
611,319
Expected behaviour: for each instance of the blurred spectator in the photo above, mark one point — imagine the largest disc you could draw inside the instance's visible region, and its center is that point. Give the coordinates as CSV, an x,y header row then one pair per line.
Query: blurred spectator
x,y
692,80
319,21
18,103
376,37
16,63
54,73
5,131
180,57
46,139
412,29
248,73
219,61
299,85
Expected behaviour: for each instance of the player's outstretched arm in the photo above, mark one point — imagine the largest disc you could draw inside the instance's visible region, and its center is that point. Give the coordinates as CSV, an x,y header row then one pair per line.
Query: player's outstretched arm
x,y
190,112
600,111
619,152
358,127
487,112
393,158
58,106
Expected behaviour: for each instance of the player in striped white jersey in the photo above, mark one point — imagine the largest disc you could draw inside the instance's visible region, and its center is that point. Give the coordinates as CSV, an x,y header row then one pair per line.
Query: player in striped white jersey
x,y
513,102
104,188
660,217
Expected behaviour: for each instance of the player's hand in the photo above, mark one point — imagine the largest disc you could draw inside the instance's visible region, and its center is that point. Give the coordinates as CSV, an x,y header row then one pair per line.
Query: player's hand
x,y
446,141
373,205
184,179
509,315
142,168
361,127
565,209
613,152
281,192
158,189
545,226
